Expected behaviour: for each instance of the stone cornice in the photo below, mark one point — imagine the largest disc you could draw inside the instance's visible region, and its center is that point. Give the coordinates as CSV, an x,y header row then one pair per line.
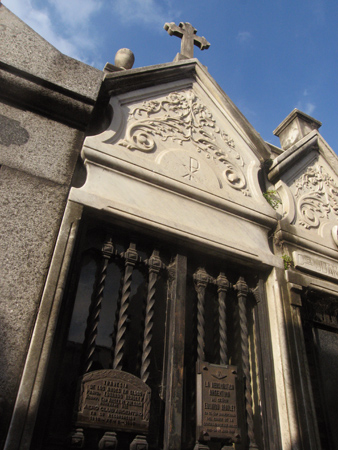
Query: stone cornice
x,y
288,158
43,97
37,77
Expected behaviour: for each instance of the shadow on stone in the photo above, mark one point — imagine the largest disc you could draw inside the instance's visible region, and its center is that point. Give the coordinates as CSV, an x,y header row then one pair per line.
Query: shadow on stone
x,y
11,132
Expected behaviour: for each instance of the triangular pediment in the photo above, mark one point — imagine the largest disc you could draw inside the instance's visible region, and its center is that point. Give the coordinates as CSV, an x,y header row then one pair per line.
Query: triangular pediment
x,y
186,135
178,156
308,185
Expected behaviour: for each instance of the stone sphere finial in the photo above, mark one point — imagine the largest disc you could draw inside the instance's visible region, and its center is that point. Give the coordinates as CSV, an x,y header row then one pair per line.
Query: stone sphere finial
x,y
124,58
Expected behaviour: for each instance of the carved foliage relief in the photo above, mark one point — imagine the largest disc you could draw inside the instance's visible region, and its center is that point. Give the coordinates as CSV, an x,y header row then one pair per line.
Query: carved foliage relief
x,y
316,197
182,119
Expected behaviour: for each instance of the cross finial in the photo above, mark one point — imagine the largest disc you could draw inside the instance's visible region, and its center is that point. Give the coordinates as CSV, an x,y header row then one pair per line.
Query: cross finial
x,y
187,33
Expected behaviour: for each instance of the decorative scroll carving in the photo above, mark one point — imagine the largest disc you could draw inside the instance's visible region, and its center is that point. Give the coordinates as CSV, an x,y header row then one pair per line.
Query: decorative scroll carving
x,y
235,178
181,117
317,195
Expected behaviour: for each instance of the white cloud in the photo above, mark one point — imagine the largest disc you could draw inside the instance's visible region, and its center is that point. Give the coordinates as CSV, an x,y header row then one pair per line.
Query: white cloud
x,y
244,36
309,108
69,26
305,104
146,11
76,12
40,21
63,23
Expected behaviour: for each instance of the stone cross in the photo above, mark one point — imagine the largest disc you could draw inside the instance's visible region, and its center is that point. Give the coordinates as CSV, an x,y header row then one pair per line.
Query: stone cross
x,y
187,33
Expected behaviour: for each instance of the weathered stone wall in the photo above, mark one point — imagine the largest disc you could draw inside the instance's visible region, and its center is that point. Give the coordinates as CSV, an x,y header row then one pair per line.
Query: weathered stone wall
x,y
46,104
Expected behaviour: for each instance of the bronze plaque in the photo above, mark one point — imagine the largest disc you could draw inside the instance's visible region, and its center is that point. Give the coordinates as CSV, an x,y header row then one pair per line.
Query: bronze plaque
x,y
216,402
113,400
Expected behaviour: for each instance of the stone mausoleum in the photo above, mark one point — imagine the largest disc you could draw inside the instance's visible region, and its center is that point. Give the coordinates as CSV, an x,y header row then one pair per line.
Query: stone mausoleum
x,y
168,279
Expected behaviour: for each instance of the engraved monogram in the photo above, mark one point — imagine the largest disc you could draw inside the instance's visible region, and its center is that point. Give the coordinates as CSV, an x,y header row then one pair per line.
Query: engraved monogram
x,y
193,168
317,197
182,118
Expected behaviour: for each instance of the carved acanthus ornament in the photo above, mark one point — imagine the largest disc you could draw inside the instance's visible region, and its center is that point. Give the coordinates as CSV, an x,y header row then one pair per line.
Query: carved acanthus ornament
x,y
317,197
182,118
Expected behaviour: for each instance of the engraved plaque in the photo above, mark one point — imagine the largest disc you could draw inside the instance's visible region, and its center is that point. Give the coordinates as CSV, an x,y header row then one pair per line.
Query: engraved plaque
x,y
113,400
216,402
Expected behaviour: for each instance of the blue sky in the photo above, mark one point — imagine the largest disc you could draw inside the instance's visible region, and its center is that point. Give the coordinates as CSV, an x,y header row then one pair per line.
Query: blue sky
x,y
269,56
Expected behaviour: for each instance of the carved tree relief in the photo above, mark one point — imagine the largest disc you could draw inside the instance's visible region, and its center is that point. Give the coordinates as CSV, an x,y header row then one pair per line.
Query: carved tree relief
x,y
182,118
316,196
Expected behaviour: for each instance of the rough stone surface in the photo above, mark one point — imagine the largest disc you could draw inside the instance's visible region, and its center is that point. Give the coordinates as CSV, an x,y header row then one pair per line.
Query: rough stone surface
x,y
46,98
24,49
30,213
50,154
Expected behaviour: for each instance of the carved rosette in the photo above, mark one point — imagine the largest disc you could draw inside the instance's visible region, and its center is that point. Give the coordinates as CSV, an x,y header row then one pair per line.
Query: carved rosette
x,y
316,197
182,118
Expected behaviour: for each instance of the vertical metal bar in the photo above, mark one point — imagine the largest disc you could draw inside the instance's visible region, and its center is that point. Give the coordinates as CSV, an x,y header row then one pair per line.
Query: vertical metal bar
x,y
222,288
201,279
242,291
131,258
155,265
175,361
95,307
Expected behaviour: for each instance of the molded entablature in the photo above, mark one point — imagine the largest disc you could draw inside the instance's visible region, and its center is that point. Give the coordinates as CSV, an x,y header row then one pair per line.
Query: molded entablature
x,y
179,153
188,136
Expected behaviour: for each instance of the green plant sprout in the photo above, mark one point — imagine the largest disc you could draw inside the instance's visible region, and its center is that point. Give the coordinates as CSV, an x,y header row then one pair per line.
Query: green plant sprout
x,y
288,263
271,197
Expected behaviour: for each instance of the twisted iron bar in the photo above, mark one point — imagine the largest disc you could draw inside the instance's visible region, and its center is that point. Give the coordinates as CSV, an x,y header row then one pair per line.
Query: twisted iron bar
x,y
242,291
222,288
95,307
155,265
117,310
131,258
201,279
215,329
191,375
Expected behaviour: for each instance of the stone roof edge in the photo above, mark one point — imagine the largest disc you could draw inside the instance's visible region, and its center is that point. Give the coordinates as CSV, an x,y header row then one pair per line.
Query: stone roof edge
x,y
289,157
296,113
328,153
38,95
35,76
312,141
